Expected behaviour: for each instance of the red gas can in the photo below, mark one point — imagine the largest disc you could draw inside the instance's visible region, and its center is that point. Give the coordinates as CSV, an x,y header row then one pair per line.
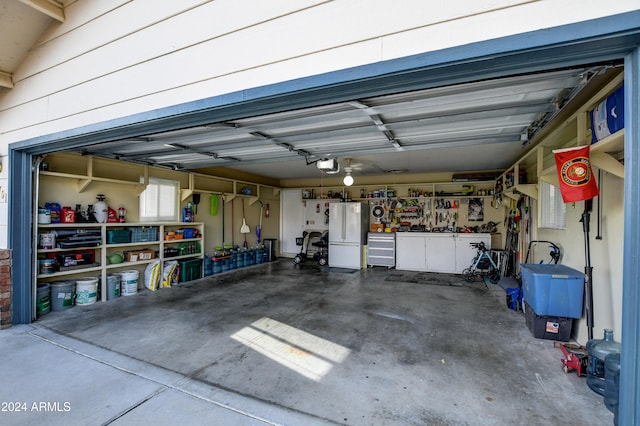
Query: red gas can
x,y
68,215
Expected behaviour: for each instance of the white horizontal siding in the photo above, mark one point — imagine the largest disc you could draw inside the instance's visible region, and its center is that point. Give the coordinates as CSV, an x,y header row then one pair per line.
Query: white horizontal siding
x,y
109,62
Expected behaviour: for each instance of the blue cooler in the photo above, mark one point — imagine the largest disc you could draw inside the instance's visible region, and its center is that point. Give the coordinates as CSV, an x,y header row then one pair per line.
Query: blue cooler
x,y
553,290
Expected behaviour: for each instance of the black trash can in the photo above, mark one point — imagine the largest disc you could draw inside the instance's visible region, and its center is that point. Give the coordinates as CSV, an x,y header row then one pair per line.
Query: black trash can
x,y
271,246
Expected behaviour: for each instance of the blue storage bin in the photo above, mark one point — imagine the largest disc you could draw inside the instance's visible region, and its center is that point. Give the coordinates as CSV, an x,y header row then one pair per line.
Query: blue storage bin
x,y
553,290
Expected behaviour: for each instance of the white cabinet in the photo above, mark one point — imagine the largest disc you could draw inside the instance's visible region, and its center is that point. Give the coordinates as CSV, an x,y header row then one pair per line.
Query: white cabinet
x,y
436,252
440,249
411,251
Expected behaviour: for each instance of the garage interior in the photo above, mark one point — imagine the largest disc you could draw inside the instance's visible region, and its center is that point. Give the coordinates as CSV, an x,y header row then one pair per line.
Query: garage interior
x,y
294,336
407,353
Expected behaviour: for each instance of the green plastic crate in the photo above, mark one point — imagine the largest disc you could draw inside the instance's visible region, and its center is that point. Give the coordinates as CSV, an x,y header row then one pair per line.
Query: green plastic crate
x,y
118,236
190,269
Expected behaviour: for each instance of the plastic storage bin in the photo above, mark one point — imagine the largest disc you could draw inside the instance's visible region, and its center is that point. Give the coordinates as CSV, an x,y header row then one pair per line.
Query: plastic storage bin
x,y
554,290
144,234
118,236
191,269
548,327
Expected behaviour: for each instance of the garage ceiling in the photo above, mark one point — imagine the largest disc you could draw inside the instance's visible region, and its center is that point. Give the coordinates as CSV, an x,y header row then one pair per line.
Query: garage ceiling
x,y
484,125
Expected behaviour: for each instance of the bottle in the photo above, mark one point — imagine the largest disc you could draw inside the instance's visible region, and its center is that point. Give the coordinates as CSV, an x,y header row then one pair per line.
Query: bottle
x,y
612,382
68,215
101,210
597,351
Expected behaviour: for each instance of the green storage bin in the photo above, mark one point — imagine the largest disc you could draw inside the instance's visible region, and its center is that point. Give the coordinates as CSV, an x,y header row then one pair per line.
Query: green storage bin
x,y
190,269
118,236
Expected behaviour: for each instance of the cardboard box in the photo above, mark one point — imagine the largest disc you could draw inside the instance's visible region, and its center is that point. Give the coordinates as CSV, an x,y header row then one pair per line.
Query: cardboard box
x,y
134,256
377,227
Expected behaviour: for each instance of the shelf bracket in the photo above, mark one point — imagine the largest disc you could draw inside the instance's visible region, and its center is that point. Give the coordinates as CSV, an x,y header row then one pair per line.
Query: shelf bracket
x,y
530,189
608,163
186,193
83,184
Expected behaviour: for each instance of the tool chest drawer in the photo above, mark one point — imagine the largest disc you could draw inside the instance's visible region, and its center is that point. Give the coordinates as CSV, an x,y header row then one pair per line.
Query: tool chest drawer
x,y
381,249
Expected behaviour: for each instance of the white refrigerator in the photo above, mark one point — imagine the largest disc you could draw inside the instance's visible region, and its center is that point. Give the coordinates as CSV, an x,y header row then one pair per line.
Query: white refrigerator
x,y
348,228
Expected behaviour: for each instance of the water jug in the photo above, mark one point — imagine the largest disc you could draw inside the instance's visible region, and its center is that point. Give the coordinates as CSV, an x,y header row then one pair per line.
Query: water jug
x,y
612,382
597,351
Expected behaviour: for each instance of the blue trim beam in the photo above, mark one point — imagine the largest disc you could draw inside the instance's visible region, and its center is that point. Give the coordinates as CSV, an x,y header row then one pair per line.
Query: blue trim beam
x,y
20,238
629,368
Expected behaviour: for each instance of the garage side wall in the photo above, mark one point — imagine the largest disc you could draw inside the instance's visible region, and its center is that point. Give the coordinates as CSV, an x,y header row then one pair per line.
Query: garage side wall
x,y
606,256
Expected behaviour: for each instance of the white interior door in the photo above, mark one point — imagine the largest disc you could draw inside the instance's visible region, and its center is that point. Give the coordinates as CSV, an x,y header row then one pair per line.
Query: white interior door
x,y
291,221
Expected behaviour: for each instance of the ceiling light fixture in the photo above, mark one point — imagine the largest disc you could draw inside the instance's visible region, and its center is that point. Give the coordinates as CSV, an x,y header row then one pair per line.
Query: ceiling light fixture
x,y
348,179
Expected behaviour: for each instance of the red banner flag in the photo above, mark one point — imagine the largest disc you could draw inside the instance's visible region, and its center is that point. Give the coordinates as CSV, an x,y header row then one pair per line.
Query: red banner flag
x,y
575,175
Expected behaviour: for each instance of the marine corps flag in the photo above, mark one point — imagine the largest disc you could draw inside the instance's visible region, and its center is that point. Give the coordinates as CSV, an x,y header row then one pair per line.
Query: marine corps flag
x,y
574,174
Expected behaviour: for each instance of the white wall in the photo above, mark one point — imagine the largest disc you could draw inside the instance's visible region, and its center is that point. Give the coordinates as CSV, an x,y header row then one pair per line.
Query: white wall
x,y
113,59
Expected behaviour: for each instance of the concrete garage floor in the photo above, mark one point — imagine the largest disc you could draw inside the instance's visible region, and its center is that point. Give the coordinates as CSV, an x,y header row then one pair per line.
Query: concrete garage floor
x,y
305,344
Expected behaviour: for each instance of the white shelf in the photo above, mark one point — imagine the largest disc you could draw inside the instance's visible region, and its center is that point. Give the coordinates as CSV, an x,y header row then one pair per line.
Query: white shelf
x,y
75,271
144,243
104,250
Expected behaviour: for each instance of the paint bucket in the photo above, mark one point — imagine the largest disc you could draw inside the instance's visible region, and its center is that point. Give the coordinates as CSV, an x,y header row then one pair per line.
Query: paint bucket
x,y
46,266
62,295
44,216
43,299
86,291
48,240
113,286
129,283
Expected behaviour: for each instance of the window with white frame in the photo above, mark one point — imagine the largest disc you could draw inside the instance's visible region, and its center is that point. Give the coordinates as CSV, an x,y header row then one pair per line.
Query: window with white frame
x,y
159,201
552,208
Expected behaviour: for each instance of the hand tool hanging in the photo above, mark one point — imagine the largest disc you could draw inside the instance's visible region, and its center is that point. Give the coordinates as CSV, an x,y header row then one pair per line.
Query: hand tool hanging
x,y
195,198
599,205
259,227
244,229
588,270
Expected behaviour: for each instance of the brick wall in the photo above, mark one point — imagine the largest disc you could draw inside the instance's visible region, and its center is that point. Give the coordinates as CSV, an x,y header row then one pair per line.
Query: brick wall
x,y
5,288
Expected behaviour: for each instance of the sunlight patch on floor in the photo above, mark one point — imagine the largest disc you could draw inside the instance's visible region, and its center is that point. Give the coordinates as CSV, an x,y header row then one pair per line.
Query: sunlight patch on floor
x,y
302,352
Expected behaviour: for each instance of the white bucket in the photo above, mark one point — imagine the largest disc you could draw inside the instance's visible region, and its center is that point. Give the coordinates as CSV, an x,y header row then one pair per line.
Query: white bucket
x,y
129,283
48,240
113,286
86,291
44,216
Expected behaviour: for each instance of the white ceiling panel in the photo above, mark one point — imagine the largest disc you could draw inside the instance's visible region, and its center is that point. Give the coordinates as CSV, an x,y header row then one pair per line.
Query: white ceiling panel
x,y
475,126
